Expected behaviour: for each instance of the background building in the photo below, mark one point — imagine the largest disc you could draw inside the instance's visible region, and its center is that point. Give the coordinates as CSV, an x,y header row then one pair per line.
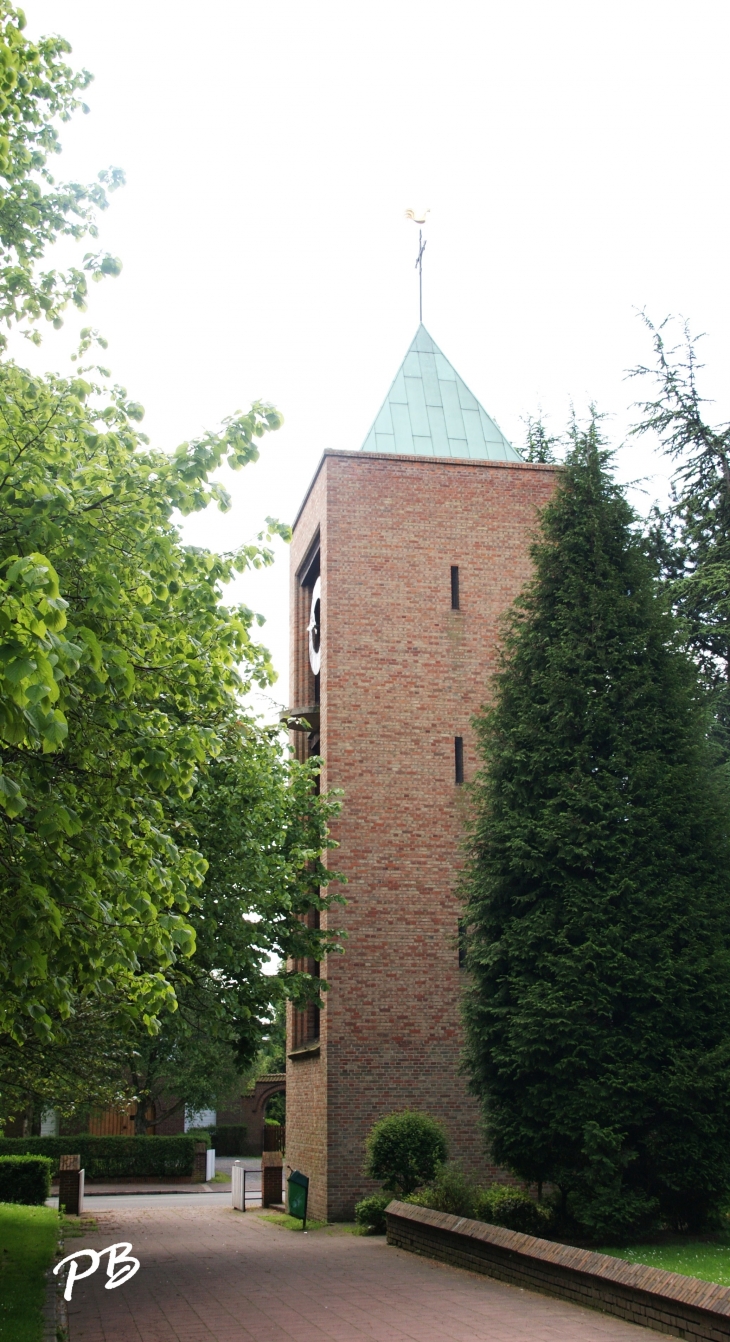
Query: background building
x,y
405,556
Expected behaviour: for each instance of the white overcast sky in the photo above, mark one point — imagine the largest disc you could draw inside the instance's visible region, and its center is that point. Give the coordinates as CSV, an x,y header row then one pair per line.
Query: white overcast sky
x,y
574,156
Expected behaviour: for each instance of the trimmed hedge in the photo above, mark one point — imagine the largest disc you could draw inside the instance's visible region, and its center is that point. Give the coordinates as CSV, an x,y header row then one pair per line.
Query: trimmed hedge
x,y
229,1139
112,1157
25,1179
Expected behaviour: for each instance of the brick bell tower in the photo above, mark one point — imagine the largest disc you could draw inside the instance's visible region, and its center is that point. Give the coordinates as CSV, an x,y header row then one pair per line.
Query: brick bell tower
x,y
405,555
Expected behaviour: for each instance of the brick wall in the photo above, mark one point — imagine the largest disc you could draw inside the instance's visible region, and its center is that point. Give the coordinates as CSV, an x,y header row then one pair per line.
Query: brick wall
x,y
174,1125
666,1302
306,1128
251,1110
402,673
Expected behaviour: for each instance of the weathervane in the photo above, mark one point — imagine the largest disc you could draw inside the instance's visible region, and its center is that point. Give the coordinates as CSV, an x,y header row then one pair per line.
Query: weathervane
x,y
419,217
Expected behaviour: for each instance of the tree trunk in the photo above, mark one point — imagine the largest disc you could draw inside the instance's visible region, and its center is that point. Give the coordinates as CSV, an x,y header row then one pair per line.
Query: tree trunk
x,y
141,1121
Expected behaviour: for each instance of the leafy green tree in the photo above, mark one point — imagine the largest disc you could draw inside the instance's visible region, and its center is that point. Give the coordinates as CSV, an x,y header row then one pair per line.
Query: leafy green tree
x,y
598,1018
264,833
38,88
188,1064
121,676
276,1108
80,1066
263,830
692,536
405,1150
271,1057
111,694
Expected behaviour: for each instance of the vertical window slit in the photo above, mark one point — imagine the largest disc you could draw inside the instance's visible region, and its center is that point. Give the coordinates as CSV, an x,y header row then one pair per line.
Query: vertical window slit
x,y
459,759
454,587
462,944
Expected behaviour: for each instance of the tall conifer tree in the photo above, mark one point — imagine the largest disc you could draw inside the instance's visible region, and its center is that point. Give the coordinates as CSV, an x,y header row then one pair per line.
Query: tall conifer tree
x,y
691,537
598,1018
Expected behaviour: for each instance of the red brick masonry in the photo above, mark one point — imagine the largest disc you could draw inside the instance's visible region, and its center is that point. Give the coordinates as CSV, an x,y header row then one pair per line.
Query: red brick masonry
x,y
402,675
665,1301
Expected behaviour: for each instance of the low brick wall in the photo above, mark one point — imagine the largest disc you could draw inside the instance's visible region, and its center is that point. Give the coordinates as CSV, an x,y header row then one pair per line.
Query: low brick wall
x,y
669,1303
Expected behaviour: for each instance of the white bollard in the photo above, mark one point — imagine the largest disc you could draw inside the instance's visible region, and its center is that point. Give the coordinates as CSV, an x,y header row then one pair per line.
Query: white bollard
x,y
238,1187
210,1163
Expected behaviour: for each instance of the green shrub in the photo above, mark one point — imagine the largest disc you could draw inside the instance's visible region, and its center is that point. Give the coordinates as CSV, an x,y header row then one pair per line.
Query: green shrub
x,y
25,1179
229,1140
370,1212
113,1157
450,1191
405,1150
501,1205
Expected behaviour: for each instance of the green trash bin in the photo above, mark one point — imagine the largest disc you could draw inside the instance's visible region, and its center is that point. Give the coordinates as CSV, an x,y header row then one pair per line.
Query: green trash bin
x,y
298,1184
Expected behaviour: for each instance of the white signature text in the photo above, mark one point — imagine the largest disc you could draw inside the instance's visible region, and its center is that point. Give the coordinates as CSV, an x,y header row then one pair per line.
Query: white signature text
x,y
120,1268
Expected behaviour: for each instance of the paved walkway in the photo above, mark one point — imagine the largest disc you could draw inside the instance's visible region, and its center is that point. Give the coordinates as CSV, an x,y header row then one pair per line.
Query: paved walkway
x,y
209,1274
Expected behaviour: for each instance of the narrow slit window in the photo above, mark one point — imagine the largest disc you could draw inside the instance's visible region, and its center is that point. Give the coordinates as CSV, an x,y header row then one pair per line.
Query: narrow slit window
x,y
454,586
458,759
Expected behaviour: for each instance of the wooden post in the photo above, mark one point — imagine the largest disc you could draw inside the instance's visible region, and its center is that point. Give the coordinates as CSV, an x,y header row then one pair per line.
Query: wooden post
x,y
271,1176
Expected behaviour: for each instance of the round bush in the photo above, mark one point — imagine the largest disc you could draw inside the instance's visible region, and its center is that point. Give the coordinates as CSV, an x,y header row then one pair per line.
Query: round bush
x,y
513,1209
405,1150
370,1212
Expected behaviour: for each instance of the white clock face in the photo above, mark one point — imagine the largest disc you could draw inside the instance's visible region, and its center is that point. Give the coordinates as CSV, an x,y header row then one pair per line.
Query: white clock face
x,y
314,628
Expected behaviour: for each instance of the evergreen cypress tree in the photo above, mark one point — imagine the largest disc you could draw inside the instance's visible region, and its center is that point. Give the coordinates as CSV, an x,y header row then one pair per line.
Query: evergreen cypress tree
x,y
598,1018
691,538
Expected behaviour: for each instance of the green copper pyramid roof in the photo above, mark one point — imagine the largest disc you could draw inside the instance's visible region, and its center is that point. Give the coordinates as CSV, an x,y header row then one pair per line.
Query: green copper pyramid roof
x,y
430,412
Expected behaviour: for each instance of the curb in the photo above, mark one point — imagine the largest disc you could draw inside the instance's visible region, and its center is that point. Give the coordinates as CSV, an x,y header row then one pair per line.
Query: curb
x,y
55,1309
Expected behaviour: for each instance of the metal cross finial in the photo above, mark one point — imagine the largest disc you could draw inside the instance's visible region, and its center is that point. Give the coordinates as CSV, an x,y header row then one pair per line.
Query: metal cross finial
x,y
419,217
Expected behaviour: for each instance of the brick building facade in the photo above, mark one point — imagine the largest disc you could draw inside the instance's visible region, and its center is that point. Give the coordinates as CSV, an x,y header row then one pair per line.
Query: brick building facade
x,y
405,556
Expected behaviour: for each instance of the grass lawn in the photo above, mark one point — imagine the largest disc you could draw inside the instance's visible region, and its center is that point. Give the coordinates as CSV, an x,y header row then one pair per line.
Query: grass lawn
x,y
28,1238
291,1222
695,1258
73,1227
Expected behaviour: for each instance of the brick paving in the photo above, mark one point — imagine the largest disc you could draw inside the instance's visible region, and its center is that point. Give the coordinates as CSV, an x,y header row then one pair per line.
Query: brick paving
x,y
209,1274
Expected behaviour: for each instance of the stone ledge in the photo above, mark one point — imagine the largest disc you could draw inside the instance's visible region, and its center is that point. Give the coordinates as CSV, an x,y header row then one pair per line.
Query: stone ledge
x,y
666,1302
307,1051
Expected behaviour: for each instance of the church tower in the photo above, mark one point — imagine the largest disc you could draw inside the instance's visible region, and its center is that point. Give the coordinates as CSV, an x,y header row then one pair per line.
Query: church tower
x,y
405,556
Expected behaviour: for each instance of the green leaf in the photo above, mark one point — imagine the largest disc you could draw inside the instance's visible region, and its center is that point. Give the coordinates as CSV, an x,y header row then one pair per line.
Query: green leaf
x,y
55,730
10,797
